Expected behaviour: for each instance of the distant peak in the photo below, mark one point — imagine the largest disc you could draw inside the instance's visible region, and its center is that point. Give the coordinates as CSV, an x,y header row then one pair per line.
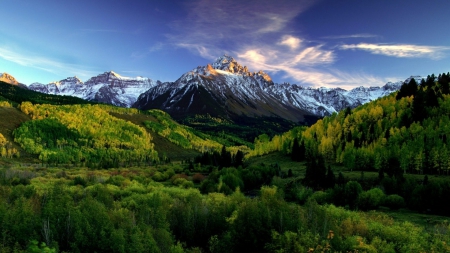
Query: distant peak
x,y
5,77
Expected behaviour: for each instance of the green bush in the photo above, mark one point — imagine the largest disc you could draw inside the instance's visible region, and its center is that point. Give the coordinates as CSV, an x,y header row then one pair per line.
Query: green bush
x,y
370,199
320,197
394,202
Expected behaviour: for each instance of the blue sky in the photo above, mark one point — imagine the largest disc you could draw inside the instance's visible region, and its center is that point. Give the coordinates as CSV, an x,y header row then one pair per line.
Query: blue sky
x,y
328,43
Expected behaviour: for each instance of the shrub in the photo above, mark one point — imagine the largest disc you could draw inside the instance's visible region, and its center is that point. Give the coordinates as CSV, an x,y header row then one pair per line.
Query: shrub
x,y
198,178
79,181
320,197
370,199
178,176
351,192
394,202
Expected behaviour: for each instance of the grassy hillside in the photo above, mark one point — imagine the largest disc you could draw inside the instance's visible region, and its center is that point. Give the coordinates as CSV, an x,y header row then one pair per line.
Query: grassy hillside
x,y
12,118
162,145
106,136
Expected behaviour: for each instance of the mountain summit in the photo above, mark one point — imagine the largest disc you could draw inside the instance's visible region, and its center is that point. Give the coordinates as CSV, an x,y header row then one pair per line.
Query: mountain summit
x,y
226,88
7,78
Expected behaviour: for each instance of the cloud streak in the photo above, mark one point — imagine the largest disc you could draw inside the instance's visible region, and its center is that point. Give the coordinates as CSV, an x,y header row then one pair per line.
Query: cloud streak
x,y
309,76
43,63
211,26
400,50
352,36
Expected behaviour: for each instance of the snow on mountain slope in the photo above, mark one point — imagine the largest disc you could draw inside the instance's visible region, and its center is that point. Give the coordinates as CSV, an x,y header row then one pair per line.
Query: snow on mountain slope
x,y
222,88
237,91
109,87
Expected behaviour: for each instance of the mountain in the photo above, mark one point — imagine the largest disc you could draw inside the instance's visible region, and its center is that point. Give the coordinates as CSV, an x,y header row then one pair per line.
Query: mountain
x,y
109,88
7,78
226,88
223,89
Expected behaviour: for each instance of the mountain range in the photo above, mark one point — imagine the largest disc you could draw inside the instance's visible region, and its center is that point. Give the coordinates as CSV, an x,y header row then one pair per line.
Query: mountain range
x,y
223,88
109,88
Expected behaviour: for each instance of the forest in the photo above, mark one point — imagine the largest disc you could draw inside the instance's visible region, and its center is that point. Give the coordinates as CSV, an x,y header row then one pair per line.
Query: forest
x,y
100,179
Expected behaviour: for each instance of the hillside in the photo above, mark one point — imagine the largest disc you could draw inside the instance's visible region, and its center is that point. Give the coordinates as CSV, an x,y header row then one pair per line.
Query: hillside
x,y
108,136
12,118
404,132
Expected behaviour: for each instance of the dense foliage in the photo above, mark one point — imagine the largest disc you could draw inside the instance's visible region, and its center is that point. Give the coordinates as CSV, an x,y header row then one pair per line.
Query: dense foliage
x,y
126,211
178,134
242,131
403,133
83,134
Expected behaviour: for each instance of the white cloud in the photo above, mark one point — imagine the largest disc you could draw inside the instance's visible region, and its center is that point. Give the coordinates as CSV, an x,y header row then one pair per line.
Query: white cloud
x,y
290,41
306,75
352,36
400,50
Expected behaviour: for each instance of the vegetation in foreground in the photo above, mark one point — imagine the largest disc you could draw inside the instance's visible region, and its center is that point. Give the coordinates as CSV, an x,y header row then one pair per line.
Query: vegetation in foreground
x,y
126,210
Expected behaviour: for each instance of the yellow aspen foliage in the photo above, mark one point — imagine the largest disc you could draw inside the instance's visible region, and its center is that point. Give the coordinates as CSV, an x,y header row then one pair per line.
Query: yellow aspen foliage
x,y
2,140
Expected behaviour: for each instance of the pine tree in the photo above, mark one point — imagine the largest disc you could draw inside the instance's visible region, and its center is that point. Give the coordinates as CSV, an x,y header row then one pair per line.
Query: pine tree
x,y
295,154
330,179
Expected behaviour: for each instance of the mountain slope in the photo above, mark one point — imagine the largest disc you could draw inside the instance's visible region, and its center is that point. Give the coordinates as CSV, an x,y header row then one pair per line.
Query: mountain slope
x,y
109,88
226,88
7,78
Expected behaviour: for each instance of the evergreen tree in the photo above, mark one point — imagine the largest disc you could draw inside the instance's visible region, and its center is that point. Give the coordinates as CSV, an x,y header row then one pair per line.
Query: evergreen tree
x,y
330,179
239,158
225,157
340,180
418,105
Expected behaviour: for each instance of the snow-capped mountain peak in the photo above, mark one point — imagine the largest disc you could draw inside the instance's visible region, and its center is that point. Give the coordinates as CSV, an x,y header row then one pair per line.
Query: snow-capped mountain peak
x,y
237,91
108,87
69,80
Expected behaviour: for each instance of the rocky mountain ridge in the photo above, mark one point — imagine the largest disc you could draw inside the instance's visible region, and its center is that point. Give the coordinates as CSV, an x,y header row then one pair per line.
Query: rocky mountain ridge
x,y
222,88
109,87
237,91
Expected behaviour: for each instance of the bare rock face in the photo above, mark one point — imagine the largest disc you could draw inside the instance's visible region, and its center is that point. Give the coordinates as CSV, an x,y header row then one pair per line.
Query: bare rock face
x,y
7,78
109,87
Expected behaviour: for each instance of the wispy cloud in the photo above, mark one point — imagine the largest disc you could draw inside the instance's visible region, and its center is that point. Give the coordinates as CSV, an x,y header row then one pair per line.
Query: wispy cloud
x,y
100,30
258,33
43,63
307,75
400,50
154,48
352,36
212,26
